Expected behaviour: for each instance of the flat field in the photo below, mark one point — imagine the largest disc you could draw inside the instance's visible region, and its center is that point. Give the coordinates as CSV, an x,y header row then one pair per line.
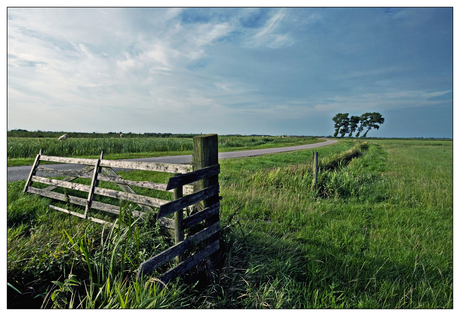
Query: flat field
x,y
376,232
22,150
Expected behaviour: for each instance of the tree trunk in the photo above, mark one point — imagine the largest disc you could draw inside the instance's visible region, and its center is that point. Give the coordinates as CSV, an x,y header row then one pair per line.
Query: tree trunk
x,y
365,134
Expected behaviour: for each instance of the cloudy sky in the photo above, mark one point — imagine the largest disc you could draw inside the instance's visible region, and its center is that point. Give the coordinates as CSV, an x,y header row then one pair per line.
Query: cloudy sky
x,y
229,70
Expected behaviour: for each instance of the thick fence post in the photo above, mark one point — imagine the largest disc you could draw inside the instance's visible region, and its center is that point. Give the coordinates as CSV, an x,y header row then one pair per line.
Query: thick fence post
x,y
315,170
205,154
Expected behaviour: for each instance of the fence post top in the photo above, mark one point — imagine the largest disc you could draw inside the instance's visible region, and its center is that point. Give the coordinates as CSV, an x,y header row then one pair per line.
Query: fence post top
x,y
207,135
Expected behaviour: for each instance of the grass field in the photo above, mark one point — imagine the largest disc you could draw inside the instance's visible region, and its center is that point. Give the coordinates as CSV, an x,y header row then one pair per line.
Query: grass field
x,y
22,150
377,232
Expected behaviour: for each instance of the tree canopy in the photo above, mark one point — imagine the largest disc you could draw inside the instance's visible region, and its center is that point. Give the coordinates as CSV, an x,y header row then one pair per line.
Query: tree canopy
x,y
344,125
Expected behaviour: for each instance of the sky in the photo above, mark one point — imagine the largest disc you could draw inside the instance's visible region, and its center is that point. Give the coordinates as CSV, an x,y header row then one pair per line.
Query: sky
x,y
251,70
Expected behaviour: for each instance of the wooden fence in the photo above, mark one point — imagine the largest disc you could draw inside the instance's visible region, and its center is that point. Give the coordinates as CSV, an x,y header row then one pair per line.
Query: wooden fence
x,y
203,196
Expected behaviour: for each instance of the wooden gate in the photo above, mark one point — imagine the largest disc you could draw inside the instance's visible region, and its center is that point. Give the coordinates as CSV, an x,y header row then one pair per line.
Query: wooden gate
x,y
203,196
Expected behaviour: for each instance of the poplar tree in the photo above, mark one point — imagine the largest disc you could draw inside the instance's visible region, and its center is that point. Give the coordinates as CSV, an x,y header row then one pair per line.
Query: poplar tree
x,y
371,120
344,125
341,123
354,121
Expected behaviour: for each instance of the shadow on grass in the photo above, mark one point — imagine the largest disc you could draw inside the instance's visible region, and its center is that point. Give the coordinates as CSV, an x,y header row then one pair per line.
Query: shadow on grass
x,y
263,272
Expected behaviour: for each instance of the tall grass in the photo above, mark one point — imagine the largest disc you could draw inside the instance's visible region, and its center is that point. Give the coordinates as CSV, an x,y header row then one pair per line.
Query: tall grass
x,y
362,240
29,147
377,232
111,282
300,176
19,147
64,262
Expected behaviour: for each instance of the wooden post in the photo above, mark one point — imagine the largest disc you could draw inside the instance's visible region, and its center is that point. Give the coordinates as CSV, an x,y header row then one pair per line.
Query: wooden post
x,y
94,183
33,170
315,170
178,217
205,154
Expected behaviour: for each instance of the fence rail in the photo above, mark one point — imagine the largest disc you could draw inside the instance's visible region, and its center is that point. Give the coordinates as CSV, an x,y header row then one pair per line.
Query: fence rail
x,y
189,179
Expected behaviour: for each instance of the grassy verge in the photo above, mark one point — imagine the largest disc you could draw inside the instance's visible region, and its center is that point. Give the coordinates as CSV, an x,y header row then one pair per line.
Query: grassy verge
x,y
376,233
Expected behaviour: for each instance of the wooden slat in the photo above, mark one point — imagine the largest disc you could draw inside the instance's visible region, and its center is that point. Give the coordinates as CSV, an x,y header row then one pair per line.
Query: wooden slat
x,y
32,170
61,183
110,172
94,183
132,197
57,196
190,262
105,207
188,200
79,161
75,200
167,255
93,219
142,184
137,165
83,173
200,216
149,166
167,222
190,177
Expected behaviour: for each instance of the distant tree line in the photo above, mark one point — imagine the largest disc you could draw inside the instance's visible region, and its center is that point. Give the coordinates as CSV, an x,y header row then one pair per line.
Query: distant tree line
x,y
348,125
48,134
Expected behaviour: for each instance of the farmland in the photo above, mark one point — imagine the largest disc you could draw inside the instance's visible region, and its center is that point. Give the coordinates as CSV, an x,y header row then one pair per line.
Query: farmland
x,y
22,150
377,232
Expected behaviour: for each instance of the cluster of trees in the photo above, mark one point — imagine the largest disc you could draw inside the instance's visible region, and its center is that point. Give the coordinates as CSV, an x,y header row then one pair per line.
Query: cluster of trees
x,y
348,125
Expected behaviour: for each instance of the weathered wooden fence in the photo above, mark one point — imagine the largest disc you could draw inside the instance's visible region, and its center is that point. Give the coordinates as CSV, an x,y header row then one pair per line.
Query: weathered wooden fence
x,y
203,196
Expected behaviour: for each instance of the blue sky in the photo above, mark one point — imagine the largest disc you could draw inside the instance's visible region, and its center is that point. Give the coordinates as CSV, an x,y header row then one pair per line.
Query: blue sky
x,y
230,70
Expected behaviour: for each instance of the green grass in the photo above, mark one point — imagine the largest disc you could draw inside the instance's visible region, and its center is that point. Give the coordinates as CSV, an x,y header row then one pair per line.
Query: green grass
x,y
56,260
19,147
22,151
377,232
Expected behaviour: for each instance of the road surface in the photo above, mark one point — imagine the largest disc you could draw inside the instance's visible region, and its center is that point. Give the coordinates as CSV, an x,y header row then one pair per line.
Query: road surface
x,y
22,172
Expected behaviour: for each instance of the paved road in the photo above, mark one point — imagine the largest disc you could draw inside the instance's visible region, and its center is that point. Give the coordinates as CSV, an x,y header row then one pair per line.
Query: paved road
x,y
22,172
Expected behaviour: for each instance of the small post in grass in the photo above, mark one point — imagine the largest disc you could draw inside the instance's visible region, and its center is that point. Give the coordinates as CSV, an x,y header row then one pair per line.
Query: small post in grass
x,y
315,170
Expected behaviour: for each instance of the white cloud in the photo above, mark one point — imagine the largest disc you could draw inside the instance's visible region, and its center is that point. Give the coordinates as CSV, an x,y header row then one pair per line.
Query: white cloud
x,y
270,34
160,53
382,101
434,94
374,72
140,66
207,33
270,26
